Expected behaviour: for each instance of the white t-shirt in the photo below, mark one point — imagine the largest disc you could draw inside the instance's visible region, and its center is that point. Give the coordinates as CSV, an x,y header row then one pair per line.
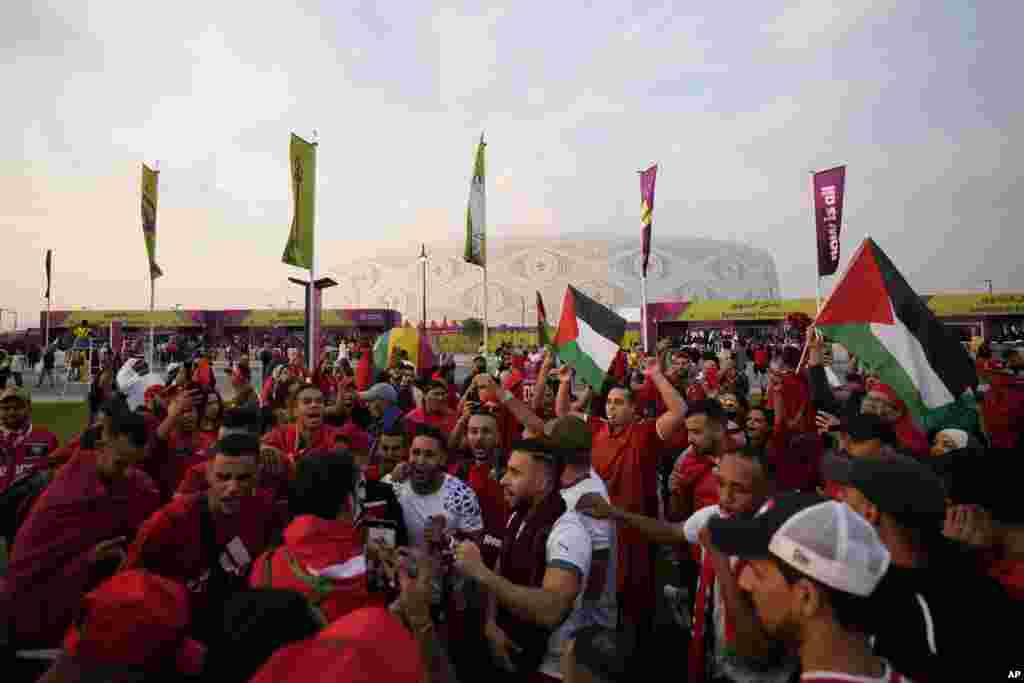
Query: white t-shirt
x,y
599,602
454,500
568,547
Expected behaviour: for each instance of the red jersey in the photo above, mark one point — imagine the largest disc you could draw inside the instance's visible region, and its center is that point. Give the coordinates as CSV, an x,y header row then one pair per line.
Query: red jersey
x,y
493,509
289,439
22,455
49,570
627,461
170,542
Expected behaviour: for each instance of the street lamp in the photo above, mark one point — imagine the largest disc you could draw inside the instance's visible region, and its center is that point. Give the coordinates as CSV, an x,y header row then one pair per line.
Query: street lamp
x,y
423,263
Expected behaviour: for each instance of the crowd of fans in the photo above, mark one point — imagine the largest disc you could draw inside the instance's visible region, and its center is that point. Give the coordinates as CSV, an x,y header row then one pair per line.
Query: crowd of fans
x,y
352,522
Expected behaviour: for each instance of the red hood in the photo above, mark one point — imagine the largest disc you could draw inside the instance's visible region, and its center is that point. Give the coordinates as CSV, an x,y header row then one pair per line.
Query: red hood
x,y
320,544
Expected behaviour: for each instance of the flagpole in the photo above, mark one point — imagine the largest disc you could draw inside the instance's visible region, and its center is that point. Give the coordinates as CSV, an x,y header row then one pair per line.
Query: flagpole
x,y
486,347
152,324
643,311
311,362
49,294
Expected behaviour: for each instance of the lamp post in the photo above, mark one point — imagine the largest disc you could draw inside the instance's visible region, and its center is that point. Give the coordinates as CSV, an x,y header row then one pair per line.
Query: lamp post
x,y
423,264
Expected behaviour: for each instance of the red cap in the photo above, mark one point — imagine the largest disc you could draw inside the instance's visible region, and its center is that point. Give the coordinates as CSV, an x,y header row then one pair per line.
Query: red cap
x,y
350,650
136,619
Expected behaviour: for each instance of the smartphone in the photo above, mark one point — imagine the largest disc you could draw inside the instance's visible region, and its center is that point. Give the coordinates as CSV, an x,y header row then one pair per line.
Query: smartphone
x,y
379,532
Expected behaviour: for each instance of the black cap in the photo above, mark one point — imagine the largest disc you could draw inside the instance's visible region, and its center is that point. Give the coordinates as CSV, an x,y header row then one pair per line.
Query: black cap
x,y
908,491
750,537
863,427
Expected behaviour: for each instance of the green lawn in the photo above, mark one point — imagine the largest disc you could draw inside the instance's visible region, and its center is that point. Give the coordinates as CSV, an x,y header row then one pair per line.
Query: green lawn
x,y
65,419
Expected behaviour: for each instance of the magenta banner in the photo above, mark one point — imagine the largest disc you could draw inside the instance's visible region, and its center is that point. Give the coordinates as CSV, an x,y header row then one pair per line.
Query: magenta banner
x,y
829,188
647,179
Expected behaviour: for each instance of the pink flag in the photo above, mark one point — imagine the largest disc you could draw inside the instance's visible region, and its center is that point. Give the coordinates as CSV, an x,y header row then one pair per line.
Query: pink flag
x,y
647,179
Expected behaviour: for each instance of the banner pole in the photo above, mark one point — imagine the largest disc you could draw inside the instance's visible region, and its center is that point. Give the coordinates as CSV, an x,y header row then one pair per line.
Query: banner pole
x,y
486,347
643,312
152,325
49,294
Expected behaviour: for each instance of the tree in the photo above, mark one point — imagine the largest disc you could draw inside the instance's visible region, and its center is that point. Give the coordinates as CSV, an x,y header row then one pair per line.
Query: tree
x,y
472,327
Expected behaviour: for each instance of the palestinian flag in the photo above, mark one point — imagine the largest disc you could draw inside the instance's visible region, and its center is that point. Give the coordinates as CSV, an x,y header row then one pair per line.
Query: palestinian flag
x,y
543,329
588,336
874,313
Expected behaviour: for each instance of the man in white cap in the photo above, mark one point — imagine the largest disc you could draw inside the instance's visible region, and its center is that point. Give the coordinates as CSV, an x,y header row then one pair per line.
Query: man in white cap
x,y
811,565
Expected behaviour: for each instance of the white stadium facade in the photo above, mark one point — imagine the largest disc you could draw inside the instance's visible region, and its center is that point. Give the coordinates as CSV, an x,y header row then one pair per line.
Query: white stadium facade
x,y
606,268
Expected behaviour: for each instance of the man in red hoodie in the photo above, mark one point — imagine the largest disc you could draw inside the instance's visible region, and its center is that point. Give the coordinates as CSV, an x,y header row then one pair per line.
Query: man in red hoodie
x,y
76,532
23,456
208,541
322,556
309,430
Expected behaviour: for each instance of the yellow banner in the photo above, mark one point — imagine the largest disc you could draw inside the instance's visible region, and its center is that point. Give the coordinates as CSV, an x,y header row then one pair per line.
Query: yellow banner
x,y
293,318
946,305
764,309
140,318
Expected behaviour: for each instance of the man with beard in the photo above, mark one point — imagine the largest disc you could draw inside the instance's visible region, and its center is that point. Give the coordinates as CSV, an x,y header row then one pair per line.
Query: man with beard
x,y
434,503
381,400
483,473
24,451
809,567
728,643
692,483
545,565
435,411
208,540
76,533
309,430
392,451
794,470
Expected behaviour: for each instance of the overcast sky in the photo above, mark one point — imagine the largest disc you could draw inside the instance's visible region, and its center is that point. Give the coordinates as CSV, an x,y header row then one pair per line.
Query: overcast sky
x,y
737,104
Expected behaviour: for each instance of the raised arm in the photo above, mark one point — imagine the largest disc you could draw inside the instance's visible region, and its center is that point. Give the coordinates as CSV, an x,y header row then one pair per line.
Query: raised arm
x,y
674,417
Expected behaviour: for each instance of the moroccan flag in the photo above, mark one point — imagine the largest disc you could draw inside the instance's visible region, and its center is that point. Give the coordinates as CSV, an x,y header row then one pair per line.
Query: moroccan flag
x,y
149,195
476,213
543,330
874,313
829,189
588,336
299,250
647,179
49,271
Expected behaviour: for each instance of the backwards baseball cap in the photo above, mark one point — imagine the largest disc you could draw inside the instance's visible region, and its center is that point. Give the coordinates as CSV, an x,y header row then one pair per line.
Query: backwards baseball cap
x,y
16,393
350,649
136,619
821,539
908,491
380,392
